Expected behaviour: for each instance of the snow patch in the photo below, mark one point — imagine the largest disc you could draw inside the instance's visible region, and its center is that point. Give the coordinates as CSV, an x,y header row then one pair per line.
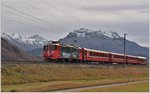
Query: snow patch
x,y
32,40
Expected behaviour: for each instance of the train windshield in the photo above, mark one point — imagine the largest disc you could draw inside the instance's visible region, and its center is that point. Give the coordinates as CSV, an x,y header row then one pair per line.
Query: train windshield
x,y
69,49
45,48
53,47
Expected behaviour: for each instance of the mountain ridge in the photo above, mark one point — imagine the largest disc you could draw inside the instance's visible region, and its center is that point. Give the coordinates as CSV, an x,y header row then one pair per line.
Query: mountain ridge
x,y
11,52
25,43
94,39
105,41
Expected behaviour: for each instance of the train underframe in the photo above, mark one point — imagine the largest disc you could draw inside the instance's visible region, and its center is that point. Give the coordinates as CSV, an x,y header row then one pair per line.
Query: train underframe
x,y
65,60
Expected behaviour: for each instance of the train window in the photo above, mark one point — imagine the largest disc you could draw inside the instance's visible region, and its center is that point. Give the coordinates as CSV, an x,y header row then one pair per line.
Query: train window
x,y
102,55
65,49
53,47
45,48
85,52
90,53
93,53
97,54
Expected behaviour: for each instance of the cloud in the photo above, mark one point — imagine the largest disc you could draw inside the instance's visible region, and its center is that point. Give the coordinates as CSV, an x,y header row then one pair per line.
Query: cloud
x,y
116,7
130,16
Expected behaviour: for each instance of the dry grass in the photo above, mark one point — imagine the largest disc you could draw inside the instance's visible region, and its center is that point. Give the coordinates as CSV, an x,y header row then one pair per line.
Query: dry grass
x,y
55,85
52,77
139,87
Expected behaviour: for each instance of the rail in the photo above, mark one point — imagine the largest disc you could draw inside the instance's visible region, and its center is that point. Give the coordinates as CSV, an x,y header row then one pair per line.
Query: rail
x,y
14,62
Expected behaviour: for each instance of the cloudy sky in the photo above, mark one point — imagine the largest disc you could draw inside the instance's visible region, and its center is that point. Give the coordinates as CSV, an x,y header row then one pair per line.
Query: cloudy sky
x,y
54,19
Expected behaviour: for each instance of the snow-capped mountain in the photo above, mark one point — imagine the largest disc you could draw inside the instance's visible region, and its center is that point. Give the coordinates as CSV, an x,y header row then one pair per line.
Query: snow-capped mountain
x,y
105,41
86,32
25,43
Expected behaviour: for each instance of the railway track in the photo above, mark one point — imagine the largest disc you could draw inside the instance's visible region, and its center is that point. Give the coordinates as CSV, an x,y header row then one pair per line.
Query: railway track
x,y
64,63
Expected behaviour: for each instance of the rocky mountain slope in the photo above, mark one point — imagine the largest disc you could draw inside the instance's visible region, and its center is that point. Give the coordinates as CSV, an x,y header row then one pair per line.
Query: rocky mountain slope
x,y
105,41
25,43
12,52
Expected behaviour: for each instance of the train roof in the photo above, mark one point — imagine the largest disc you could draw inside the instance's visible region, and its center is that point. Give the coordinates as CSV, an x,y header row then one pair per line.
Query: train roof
x,y
96,50
142,57
48,43
132,56
117,53
58,44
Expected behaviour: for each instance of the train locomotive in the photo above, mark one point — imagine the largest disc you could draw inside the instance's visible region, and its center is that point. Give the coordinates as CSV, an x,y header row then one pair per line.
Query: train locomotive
x,y
54,51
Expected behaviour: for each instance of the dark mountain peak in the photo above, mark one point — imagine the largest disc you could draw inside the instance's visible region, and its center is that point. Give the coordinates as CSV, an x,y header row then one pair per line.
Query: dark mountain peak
x,y
103,40
83,32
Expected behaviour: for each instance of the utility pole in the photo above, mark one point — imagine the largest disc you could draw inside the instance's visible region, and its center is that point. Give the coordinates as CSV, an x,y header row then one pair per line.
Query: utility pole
x,y
125,50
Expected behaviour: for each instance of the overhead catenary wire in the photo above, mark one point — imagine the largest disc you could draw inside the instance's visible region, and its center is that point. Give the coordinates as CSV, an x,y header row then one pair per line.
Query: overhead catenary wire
x,y
33,26
62,11
33,19
41,20
19,15
45,12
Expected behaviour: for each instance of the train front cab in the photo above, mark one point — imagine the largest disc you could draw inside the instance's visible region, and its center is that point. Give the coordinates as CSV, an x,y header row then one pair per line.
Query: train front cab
x,y
51,52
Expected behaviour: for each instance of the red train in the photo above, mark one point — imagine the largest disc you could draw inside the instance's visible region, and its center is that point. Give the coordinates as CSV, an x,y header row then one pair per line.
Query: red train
x,y
54,51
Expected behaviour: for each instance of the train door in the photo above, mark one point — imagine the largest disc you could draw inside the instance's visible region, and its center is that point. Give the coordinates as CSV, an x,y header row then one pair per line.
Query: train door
x,y
110,57
83,54
59,49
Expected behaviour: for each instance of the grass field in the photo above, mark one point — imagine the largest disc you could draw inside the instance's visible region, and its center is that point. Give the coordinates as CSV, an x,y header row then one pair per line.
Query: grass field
x,y
57,76
139,87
